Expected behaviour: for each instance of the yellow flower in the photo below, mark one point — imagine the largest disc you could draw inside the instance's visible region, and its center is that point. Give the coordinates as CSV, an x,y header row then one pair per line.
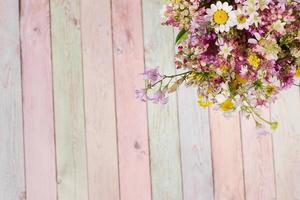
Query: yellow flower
x,y
274,126
227,106
241,80
254,60
270,90
204,104
224,68
297,73
241,19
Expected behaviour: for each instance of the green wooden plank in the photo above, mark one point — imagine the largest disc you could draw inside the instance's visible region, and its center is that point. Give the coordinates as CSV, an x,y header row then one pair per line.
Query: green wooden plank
x,y
163,120
68,100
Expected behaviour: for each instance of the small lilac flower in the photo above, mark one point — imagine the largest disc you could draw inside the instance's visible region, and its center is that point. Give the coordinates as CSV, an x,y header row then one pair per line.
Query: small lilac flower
x,y
263,132
152,75
159,97
141,95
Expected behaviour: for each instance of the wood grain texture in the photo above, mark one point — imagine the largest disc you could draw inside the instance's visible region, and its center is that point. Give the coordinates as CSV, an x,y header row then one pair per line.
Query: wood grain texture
x,y
38,101
131,114
258,160
68,100
99,100
163,120
287,144
195,147
12,183
227,156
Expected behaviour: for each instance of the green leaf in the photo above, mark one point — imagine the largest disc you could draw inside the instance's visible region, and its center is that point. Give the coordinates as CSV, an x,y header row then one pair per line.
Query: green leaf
x,y
182,36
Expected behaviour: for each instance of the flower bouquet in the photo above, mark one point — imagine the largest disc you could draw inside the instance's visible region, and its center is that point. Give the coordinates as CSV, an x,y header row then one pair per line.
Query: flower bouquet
x,y
238,54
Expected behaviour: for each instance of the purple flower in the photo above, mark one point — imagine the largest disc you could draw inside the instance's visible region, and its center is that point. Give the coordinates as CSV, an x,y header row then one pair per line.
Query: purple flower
x,y
152,75
141,95
263,132
160,98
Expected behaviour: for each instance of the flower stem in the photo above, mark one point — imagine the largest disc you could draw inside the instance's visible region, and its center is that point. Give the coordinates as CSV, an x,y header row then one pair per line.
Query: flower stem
x,y
170,77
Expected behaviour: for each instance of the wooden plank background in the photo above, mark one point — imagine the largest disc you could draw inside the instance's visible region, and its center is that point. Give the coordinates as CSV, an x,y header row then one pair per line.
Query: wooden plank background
x,y
71,128
100,115
38,109
68,100
12,178
163,120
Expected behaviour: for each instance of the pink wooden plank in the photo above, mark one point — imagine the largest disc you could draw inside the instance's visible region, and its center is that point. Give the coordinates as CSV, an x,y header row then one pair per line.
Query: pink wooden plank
x,y
227,157
258,161
102,150
38,101
131,114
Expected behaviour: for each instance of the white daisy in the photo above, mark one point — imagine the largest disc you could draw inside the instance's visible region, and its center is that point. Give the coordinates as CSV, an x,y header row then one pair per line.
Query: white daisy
x,y
225,50
244,70
243,21
263,4
269,48
251,6
255,18
279,26
222,16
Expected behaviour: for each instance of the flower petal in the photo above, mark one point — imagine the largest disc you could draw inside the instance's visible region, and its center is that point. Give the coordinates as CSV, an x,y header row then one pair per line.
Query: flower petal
x,y
219,5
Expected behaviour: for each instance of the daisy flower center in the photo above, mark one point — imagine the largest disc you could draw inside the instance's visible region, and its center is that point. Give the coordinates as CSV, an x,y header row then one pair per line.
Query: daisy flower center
x,y
220,17
241,19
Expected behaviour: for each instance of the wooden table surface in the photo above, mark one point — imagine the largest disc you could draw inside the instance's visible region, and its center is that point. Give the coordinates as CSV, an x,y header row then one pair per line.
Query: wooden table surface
x,y
71,128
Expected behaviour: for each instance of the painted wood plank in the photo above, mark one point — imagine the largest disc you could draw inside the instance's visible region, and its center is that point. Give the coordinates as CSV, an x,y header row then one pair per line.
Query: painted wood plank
x,y
227,156
134,167
195,147
258,160
163,120
38,101
99,100
12,183
287,144
68,100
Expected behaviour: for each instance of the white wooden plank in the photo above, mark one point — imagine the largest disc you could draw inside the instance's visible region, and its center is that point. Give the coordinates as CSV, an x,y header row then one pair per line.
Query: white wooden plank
x,y
287,144
12,184
195,147
258,160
